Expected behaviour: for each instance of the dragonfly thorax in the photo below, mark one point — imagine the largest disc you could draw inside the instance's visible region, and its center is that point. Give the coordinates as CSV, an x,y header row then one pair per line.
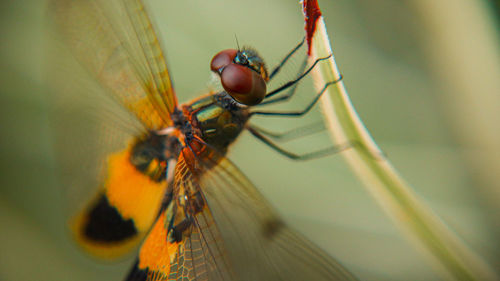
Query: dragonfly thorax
x,y
217,119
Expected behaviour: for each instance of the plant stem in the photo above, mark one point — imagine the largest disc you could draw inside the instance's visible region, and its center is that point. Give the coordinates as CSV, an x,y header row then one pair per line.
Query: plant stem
x,y
447,252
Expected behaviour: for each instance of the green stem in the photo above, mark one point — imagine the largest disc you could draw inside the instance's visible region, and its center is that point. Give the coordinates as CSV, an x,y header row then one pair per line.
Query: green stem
x,y
447,252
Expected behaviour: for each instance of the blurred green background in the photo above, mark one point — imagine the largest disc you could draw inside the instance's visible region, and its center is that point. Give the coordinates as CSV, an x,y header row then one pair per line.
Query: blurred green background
x,y
423,75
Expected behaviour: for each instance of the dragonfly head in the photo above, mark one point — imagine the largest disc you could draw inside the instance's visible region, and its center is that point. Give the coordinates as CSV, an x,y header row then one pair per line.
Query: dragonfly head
x,y
243,74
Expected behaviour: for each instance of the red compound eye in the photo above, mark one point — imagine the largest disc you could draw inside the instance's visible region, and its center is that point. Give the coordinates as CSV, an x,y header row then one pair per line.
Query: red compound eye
x,y
243,84
222,59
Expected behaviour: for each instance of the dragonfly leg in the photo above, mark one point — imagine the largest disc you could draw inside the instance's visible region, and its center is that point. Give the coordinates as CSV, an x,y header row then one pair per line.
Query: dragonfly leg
x,y
176,232
288,94
181,221
306,156
277,68
177,223
334,149
298,113
293,133
296,80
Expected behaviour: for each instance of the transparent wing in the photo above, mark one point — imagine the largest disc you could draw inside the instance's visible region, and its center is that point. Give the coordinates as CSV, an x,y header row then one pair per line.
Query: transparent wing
x,y
92,138
259,244
93,156
88,126
199,254
203,253
234,233
116,42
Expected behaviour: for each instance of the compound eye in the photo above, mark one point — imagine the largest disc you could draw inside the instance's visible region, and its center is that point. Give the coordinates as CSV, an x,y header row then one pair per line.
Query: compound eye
x,y
243,84
222,59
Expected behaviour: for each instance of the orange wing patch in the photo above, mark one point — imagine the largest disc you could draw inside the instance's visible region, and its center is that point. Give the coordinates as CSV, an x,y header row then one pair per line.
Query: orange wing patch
x,y
131,192
117,220
185,243
157,253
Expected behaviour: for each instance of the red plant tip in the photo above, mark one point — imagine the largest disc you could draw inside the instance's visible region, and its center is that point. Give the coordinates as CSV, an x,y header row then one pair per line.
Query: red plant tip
x,y
312,13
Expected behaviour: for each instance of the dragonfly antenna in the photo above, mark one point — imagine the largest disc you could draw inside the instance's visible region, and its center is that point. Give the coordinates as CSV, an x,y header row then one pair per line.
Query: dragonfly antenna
x,y
237,43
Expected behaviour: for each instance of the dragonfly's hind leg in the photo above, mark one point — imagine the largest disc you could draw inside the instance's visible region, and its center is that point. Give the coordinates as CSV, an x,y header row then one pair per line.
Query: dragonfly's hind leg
x,y
377,155
292,134
334,149
306,156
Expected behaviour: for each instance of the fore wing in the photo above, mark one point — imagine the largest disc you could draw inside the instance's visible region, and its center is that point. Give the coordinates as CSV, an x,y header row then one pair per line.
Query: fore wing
x,y
116,42
111,85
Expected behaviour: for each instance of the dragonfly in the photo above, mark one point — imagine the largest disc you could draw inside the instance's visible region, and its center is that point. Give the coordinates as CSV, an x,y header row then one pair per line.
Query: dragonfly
x,y
172,187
